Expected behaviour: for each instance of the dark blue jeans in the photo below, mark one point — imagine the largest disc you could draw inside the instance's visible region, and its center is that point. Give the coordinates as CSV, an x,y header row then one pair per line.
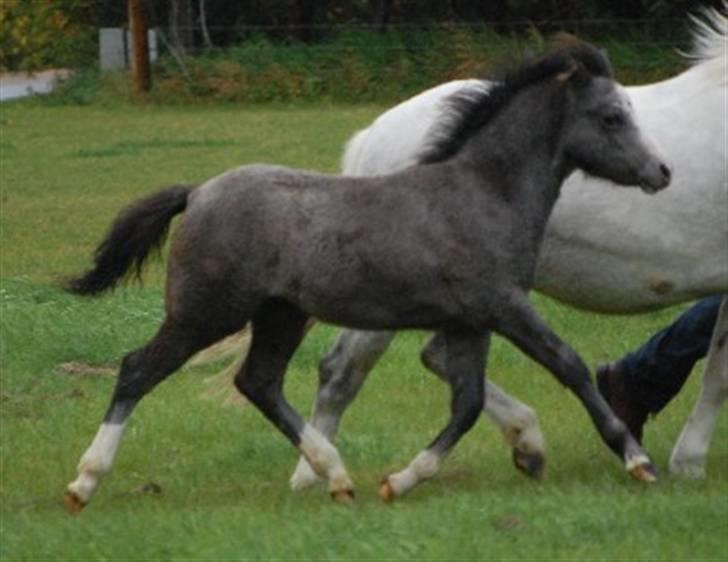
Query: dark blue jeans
x,y
656,372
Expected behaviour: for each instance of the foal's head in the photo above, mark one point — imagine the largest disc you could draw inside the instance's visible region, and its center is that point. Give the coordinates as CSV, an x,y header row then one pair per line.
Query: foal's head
x,y
575,83
601,136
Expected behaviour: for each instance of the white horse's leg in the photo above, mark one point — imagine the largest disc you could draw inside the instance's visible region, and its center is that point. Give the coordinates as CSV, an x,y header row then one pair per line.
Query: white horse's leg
x,y
691,449
519,425
341,375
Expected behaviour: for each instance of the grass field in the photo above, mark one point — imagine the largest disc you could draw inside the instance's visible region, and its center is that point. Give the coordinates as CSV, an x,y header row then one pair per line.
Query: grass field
x,y
195,480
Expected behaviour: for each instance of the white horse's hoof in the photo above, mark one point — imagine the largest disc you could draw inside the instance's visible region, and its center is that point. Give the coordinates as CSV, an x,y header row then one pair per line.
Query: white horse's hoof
x,y
303,477
74,504
687,467
532,464
343,497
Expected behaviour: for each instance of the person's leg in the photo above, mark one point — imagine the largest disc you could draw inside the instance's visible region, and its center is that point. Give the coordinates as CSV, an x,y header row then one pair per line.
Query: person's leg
x,y
644,381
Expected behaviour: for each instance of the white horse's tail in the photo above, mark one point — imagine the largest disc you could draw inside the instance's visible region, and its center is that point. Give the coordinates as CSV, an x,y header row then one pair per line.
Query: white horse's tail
x,y
710,33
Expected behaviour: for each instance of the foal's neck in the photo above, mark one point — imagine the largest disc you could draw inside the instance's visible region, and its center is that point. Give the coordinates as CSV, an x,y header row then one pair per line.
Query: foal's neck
x,y
519,153
518,157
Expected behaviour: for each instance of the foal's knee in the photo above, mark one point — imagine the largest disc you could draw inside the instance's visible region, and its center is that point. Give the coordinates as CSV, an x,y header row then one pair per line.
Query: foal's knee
x,y
470,406
574,372
262,391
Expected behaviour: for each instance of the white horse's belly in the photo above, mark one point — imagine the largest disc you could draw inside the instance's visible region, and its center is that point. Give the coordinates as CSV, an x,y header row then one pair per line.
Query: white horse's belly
x,y
618,285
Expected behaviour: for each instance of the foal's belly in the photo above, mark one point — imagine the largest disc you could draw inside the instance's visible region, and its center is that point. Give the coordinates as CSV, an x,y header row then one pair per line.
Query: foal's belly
x,y
366,316
409,303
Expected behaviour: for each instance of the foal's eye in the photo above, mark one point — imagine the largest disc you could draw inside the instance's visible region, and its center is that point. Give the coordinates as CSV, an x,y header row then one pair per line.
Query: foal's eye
x,y
613,120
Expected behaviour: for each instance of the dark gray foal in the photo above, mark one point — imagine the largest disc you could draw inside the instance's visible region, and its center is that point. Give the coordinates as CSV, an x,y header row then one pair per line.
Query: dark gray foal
x,y
448,245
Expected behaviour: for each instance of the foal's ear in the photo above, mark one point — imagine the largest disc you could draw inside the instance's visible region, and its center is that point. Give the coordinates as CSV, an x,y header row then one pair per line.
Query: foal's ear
x,y
576,74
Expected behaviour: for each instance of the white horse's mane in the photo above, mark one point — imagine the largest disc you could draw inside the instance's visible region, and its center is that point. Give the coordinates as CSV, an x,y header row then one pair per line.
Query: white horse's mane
x,y
710,33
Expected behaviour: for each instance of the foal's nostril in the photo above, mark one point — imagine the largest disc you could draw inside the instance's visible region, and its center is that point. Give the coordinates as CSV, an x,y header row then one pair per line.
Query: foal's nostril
x,y
666,173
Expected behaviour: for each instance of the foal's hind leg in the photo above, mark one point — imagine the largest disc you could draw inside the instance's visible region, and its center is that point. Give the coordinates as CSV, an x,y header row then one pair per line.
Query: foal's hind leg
x,y
278,328
140,372
688,456
524,327
517,422
342,373
465,353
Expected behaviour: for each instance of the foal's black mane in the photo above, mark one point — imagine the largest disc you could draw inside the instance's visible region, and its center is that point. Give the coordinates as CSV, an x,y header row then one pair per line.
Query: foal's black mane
x,y
466,113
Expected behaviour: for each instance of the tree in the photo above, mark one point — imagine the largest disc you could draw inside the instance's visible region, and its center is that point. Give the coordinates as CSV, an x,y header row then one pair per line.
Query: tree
x,y
309,12
381,11
181,25
46,33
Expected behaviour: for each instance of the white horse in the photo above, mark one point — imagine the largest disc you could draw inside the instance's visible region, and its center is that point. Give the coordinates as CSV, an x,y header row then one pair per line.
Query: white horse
x,y
605,250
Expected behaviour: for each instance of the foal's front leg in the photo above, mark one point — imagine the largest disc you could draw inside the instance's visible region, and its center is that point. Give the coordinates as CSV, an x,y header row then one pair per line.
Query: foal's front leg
x,y
465,352
522,325
518,423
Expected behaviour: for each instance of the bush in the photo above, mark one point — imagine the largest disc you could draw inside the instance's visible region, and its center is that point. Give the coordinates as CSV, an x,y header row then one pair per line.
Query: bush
x,y
366,66
356,66
45,33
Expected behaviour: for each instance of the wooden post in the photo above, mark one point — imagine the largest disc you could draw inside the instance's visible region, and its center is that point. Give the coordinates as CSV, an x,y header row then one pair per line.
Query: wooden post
x,y
140,62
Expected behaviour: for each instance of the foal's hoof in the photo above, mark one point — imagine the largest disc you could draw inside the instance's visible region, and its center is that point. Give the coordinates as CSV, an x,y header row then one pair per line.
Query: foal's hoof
x,y
386,492
74,505
531,464
343,497
644,472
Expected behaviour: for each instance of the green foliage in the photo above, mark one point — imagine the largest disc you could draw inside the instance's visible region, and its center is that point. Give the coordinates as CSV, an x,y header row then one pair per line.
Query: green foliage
x,y
358,65
46,33
80,88
37,34
355,65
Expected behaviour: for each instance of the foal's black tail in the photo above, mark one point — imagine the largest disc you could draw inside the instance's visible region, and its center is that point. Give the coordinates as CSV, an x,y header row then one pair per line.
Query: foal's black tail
x,y
137,230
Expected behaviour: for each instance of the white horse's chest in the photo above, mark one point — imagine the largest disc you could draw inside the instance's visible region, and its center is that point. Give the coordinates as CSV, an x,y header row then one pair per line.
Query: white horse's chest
x,y
614,249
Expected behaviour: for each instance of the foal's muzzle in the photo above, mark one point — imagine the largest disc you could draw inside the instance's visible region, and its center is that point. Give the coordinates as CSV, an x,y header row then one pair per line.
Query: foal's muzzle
x,y
655,178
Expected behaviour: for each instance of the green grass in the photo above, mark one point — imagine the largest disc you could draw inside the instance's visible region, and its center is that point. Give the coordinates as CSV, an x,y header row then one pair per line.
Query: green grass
x,y
223,472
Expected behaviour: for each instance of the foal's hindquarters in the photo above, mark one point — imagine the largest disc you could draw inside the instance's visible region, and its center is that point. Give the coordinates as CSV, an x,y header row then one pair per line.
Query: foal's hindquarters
x,y
278,328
